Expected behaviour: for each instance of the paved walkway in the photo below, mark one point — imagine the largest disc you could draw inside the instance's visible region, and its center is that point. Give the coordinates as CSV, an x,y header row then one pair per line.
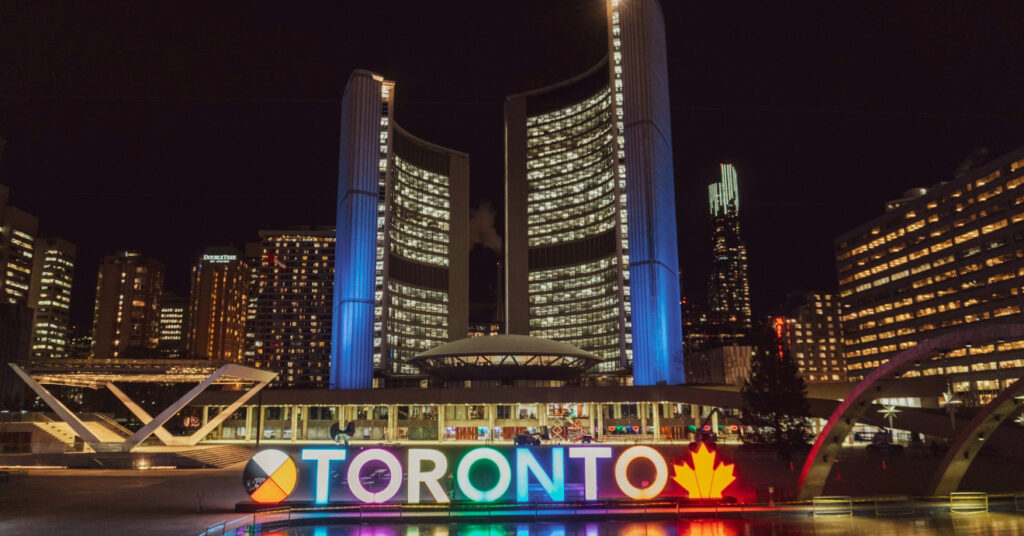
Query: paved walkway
x,y
113,502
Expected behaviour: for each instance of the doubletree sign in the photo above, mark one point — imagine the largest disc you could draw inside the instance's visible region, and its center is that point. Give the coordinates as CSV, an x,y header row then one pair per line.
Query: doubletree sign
x,y
489,474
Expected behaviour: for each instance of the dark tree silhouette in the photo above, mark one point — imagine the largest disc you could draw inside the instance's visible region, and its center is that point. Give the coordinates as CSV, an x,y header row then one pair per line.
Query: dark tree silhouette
x,y
775,404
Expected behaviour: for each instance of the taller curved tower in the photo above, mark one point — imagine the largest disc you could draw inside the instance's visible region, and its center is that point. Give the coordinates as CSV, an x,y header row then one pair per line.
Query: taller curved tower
x,y
591,254
401,282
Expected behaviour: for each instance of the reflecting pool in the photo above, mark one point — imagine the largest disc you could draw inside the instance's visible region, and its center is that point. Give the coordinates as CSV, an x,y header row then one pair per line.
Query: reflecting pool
x,y
981,523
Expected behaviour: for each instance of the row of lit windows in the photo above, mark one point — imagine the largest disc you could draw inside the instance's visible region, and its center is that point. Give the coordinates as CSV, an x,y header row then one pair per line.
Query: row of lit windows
x,y
577,191
592,224
551,291
554,213
417,317
938,293
557,116
989,209
575,312
400,301
992,261
570,178
597,148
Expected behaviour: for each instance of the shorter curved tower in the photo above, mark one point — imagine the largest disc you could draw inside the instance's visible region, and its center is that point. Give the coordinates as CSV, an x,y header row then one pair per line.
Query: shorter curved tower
x,y
401,264
591,254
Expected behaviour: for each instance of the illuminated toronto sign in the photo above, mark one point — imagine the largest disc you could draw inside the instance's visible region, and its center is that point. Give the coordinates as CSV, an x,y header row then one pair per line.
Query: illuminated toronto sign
x,y
413,475
270,476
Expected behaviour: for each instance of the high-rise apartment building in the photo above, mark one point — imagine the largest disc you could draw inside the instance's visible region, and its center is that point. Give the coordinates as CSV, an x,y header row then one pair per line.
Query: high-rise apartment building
x,y
126,322
590,246
50,298
291,332
218,305
252,260
814,335
729,285
18,232
174,322
402,281
942,259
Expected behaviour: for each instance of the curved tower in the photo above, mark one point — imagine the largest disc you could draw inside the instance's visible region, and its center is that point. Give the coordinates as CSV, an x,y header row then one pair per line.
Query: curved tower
x,y
401,282
590,249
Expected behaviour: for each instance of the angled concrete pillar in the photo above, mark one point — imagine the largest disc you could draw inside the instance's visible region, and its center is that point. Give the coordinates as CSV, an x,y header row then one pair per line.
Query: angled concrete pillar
x,y
60,409
154,425
161,433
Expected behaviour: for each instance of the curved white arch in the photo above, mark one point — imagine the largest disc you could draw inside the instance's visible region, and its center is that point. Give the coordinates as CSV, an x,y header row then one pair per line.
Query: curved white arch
x,y
828,443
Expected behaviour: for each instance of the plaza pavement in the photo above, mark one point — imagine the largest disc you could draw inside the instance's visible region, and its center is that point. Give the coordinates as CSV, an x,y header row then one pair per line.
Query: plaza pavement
x,y
157,502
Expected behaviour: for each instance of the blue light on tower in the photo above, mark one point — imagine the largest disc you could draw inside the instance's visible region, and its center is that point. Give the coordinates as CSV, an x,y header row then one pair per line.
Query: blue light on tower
x,y
356,246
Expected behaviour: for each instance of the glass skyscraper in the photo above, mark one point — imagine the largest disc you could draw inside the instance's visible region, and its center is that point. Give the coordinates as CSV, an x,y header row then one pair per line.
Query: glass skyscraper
x,y
401,278
729,285
50,297
591,251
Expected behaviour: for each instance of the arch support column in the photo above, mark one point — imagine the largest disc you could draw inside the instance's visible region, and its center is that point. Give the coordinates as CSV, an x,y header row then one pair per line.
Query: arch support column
x,y
972,439
828,443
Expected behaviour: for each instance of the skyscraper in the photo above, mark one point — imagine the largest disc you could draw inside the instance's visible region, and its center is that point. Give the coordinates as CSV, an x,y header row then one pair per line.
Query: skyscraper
x,y
126,318
18,231
218,305
590,249
50,297
291,331
402,282
252,259
173,326
729,286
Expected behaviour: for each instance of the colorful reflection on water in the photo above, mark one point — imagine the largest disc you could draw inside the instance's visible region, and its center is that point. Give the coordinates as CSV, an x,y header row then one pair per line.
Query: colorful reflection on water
x,y
988,524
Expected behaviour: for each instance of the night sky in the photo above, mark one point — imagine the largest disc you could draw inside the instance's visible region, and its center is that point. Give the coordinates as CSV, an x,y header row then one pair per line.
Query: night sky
x,y
170,127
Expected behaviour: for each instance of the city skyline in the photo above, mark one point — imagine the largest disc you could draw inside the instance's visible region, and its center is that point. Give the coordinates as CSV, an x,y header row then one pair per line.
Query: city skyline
x,y
78,144
546,267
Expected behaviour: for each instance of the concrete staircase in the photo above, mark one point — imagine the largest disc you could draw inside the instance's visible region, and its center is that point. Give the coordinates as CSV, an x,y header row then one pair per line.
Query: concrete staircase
x,y
95,421
58,430
219,455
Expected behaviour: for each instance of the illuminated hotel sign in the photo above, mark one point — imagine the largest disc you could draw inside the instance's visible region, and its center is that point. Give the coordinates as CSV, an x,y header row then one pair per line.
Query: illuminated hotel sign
x,y
415,475
218,259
